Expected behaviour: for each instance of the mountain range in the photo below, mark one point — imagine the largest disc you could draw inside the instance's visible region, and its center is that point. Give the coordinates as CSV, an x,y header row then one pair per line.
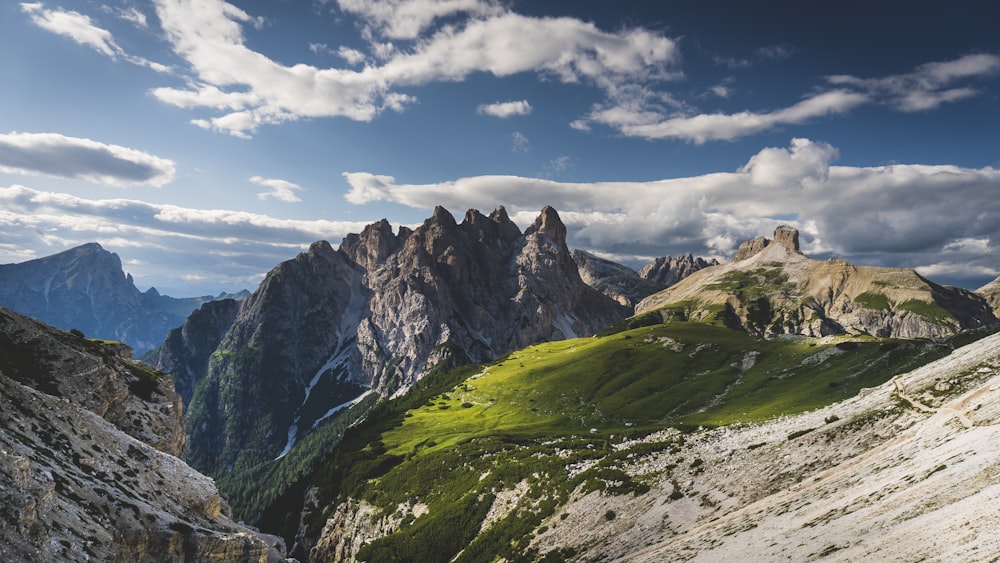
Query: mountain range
x,y
467,391
84,288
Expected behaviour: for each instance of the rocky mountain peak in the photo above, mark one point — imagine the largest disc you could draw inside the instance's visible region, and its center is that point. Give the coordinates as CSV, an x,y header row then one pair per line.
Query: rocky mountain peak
x,y
442,217
375,243
788,237
549,224
784,235
666,271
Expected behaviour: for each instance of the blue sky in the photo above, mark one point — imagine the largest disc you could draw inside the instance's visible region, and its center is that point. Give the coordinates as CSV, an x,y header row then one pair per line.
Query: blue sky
x,y
206,141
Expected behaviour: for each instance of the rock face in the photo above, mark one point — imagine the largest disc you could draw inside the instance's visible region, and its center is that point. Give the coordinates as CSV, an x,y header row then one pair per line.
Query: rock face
x,y
787,237
618,282
327,328
667,271
79,477
771,288
96,376
85,288
187,349
991,292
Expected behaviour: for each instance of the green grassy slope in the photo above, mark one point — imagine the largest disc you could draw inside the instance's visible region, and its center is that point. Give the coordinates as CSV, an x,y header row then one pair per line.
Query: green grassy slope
x,y
562,416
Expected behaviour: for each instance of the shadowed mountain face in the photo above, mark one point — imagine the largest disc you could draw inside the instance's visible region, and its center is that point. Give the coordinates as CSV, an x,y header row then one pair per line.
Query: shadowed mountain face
x,y
332,327
85,288
86,473
628,287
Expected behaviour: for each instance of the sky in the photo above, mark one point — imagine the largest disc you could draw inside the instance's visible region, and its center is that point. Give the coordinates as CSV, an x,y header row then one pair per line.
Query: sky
x,y
206,141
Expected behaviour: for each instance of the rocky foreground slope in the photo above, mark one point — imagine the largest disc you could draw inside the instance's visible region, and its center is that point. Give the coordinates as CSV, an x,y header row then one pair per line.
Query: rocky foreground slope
x,y
771,288
85,467
905,471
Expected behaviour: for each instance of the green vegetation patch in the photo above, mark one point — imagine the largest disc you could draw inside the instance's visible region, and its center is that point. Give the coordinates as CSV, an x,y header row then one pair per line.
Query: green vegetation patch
x,y
554,418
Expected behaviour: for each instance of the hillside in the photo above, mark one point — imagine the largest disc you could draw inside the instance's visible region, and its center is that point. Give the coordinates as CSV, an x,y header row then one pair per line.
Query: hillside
x,y
526,437
86,471
771,288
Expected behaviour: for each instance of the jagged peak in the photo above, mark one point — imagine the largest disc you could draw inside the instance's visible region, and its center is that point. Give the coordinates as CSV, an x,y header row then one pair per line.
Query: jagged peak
x,y
443,217
549,224
320,247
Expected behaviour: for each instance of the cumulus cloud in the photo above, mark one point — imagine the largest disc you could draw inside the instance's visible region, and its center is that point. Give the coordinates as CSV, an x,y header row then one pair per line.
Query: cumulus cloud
x,y
877,213
279,189
505,109
161,243
82,29
57,155
252,90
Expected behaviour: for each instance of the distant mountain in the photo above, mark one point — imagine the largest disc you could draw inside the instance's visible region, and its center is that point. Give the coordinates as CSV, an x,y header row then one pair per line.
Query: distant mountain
x,y
628,287
667,271
771,288
330,331
85,288
88,466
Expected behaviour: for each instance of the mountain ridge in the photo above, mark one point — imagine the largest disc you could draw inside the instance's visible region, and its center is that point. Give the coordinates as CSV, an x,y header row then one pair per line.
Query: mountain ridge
x,y
86,288
773,289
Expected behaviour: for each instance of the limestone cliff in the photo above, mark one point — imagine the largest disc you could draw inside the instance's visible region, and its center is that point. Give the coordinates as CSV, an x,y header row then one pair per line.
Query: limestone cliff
x,y
771,288
621,283
80,479
667,271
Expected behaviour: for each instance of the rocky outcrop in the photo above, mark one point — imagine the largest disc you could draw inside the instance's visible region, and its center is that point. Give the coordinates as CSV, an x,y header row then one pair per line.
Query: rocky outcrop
x,y
785,236
991,292
187,349
328,327
667,271
298,331
94,375
78,482
85,288
614,280
771,289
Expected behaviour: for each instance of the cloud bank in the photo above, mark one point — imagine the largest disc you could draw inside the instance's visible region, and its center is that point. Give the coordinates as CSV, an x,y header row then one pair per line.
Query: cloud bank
x,y
57,155
906,214
225,249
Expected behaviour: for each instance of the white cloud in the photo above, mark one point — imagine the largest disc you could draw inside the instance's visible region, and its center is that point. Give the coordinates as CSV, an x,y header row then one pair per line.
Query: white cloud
x,y
701,128
279,189
74,25
929,86
81,29
557,166
57,155
878,213
505,109
229,249
407,19
519,142
255,90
